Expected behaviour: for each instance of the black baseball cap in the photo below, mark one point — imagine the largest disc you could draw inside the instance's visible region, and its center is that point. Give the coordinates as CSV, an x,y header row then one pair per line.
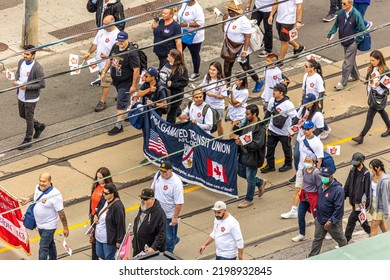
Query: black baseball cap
x,y
280,87
357,158
147,193
166,165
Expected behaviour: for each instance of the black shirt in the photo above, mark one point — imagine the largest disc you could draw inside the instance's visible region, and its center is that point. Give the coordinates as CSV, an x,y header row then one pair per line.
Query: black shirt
x,y
122,66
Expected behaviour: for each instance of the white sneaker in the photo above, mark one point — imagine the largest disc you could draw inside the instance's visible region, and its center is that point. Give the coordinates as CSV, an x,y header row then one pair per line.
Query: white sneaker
x,y
328,237
325,133
368,25
289,215
339,86
194,77
298,238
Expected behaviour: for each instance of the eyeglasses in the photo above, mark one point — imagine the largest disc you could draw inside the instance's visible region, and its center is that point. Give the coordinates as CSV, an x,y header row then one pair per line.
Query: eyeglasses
x,y
106,193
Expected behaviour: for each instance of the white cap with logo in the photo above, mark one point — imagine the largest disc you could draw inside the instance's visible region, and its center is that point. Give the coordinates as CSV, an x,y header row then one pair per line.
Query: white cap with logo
x,y
219,205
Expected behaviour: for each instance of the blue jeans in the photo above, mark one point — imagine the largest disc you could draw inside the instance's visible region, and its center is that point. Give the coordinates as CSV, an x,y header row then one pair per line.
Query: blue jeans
x,y
296,155
171,236
249,173
361,7
47,247
302,209
105,251
218,258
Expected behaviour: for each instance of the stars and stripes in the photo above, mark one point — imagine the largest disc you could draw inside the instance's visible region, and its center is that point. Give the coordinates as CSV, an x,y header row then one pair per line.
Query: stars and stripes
x,y
155,144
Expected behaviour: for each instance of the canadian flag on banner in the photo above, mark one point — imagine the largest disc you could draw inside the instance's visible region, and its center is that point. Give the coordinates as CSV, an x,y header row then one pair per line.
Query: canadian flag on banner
x,y
216,170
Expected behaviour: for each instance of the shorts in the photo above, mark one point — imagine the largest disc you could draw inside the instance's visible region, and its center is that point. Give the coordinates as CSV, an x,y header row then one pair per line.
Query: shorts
x,y
299,179
220,114
123,96
283,31
107,81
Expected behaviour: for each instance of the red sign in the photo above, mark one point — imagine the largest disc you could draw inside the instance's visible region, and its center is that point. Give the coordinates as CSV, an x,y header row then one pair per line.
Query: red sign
x,y
12,230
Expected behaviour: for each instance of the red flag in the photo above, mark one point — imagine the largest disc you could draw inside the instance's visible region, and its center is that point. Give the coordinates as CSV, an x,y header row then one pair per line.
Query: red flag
x,y
12,230
216,170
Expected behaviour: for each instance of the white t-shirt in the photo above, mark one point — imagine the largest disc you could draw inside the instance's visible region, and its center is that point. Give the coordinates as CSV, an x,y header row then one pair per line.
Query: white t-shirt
x,y
24,72
317,119
287,12
101,230
227,237
169,192
272,77
215,88
314,84
190,14
314,143
236,29
195,113
104,41
283,108
46,212
238,113
262,3
375,75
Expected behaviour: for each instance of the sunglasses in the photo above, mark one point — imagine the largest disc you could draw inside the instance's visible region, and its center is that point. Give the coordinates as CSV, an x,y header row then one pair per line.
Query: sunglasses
x,y
145,199
344,3
106,193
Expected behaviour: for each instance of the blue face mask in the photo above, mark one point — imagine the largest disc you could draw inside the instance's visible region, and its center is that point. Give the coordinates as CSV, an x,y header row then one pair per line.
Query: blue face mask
x,y
307,165
325,180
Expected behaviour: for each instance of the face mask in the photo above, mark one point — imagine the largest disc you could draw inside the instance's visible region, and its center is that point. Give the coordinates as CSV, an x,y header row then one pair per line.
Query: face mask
x,y
307,165
325,180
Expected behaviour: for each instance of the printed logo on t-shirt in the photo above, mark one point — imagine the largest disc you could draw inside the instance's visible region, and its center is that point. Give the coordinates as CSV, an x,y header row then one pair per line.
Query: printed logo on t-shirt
x,y
165,187
278,110
217,88
223,229
187,13
234,26
311,84
107,40
166,31
199,115
275,77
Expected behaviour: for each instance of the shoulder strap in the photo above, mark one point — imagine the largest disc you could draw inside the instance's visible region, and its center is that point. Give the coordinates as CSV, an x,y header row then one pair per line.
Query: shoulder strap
x,y
108,206
306,143
189,104
204,111
276,104
184,10
49,189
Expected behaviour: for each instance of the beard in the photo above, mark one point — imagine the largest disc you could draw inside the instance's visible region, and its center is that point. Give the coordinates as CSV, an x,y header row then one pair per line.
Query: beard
x,y
143,207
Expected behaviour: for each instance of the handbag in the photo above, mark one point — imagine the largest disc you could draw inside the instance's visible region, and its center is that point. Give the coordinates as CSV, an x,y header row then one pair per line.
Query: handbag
x,y
230,49
29,219
365,44
188,37
376,100
257,36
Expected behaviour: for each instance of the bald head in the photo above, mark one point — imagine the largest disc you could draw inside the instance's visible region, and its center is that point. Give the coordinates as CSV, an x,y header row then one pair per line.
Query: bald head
x,y
44,181
109,20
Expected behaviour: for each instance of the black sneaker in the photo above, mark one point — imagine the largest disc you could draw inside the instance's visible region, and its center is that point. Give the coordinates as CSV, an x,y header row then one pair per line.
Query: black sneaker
x,y
285,168
25,144
100,106
267,169
293,179
38,130
115,131
299,50
330,17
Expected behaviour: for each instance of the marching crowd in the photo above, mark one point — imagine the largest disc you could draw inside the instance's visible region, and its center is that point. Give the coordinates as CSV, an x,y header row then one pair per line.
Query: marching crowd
x,y
317,191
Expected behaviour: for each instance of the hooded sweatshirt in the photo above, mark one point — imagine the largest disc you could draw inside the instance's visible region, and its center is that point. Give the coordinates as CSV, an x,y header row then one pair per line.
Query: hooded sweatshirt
x,y
102,9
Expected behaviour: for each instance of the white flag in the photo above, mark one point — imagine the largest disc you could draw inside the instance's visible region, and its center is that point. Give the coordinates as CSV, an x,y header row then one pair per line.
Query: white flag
x,y
67,247
9,74
93,68
75,70
246,138
73,60
237,2
217,12
142,77
293,34
333,150
386,81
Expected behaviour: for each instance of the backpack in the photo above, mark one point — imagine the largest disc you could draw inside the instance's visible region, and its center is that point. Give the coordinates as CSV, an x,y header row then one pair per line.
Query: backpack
x,y
143,59
327,161
204,112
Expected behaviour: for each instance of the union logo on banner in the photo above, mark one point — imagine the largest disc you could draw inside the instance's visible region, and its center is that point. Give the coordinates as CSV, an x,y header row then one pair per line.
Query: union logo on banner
x,y
188,155
12,230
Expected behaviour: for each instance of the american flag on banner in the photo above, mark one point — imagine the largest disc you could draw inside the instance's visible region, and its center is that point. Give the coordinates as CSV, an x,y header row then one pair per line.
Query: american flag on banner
x,y
155,144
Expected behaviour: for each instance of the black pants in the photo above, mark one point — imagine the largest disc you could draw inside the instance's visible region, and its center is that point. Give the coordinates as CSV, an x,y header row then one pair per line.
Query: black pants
x,y
26,111
228,66
172,113
353,218
195,55
335,5
263,17
272,142
370,119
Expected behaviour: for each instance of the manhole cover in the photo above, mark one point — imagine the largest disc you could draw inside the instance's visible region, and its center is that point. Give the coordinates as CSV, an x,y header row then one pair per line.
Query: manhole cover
x,y
3,47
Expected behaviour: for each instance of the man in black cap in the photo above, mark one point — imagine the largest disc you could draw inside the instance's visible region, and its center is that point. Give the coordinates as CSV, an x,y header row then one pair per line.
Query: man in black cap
x,y
329,211
125,69
283,112
149,225
357,188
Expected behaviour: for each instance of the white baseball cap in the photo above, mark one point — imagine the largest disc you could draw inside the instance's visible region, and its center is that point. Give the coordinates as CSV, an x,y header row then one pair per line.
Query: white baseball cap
x,y
219,205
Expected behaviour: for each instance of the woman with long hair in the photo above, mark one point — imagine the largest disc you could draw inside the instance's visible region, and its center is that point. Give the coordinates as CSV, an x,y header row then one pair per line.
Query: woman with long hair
x,y
375,71
215,90
102,178
176,82
110,223
164,29
379,194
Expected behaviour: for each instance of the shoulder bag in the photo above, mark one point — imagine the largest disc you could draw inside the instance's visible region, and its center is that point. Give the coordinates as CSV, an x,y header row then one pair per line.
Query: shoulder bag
x,y
376,100
188,37
230,49
29,219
